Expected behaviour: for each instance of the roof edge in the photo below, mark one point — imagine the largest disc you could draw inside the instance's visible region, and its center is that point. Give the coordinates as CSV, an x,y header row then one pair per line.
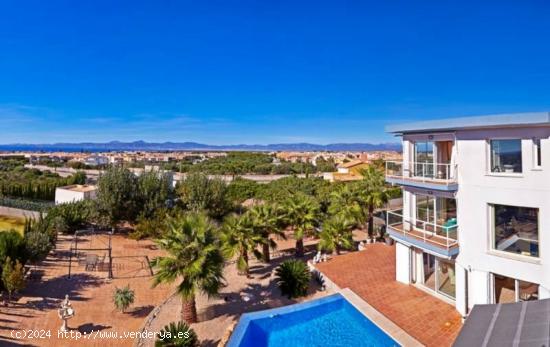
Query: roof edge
x,y
449,124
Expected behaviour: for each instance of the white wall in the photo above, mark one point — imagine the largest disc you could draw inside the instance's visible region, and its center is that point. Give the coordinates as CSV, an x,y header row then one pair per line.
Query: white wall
x,y
478,188
65,195
402,263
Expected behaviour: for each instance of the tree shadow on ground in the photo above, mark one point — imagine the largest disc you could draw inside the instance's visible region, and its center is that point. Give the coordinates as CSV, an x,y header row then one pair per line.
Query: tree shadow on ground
x,y
53,290
88,328
255,296
209,343
7,342
142,311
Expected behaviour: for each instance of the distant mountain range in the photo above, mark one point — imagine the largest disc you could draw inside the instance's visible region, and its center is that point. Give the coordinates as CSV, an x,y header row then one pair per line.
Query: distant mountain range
x,y
193,146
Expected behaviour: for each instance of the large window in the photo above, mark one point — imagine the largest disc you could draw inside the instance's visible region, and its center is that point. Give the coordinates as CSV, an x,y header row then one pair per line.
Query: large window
x,y
507,290
516,230
506,156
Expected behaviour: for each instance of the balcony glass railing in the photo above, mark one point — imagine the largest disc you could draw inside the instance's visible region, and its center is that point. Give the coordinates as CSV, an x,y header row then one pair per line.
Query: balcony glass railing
x,y
445,235
424,171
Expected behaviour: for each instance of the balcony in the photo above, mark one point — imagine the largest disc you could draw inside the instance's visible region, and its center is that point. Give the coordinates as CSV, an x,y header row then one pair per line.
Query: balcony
x,y
439,239
428,175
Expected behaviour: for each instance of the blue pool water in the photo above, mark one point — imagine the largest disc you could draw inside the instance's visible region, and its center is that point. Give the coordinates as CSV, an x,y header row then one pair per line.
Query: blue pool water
x,y
330,321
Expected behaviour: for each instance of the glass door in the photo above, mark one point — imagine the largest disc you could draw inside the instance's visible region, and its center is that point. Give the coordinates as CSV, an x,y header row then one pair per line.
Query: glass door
x,y
429,270
423,159
446,280
425,212
439,275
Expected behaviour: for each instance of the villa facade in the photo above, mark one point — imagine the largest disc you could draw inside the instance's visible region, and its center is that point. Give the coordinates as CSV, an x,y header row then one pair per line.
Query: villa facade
x,y
474,228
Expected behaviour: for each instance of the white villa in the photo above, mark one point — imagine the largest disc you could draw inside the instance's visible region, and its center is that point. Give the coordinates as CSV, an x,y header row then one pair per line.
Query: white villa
x,y
475,223
75,192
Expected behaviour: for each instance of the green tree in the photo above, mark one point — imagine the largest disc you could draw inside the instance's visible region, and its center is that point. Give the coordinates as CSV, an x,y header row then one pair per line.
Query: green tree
x,y
241,189
199,193
177,335
194,257
116,195
37,245
154,226
78,178
153,192
239,238
12,245
346,201
336,234
13,276
373,193
267,222
292,278
301,212
123,298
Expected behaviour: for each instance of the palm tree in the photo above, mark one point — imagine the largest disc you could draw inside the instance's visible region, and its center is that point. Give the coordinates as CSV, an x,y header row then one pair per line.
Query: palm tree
x,y
301,212
194,256
292,278
337,234
177,335
373,193
123,298
239,237
266,221
346,201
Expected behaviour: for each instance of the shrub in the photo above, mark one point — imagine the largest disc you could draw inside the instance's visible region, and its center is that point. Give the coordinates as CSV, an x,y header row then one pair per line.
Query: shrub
x,y
13,276
123,298
293,278
37,245
177,334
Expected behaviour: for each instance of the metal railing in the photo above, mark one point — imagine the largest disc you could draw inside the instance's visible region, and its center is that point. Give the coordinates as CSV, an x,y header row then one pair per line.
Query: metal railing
x,y
442,235
424,171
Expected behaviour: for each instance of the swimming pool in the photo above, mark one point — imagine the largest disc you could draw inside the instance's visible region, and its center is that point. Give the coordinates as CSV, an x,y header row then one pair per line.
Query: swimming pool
x,y
330,321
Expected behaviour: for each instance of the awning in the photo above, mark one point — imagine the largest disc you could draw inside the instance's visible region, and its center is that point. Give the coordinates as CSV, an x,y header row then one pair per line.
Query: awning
x,y
519,324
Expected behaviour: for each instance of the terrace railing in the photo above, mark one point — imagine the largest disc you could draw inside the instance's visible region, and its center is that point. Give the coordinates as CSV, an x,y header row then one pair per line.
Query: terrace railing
x,y
423,171
441,235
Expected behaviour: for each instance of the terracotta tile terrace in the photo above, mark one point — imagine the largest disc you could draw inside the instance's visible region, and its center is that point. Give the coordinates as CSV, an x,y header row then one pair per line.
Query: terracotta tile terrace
x,y
371,275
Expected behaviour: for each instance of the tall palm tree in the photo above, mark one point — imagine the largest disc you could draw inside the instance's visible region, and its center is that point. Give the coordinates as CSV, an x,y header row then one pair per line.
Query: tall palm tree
x,y
373,193
346,201
266,221
194,256
239,237
301,212
337,234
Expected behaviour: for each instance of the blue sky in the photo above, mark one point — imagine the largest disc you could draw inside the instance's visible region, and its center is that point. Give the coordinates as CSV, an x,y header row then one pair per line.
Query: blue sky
x,y
224,72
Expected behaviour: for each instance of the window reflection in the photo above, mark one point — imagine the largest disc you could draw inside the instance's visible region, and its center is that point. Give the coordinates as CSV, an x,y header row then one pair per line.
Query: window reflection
x,y
516,230
506,155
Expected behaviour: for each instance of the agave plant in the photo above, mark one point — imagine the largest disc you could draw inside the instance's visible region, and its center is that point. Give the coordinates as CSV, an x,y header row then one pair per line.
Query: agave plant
x,y
177,335
123,298
292,278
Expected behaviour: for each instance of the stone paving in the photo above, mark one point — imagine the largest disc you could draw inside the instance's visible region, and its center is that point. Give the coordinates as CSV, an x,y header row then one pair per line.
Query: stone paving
x,y
371,275
90,293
